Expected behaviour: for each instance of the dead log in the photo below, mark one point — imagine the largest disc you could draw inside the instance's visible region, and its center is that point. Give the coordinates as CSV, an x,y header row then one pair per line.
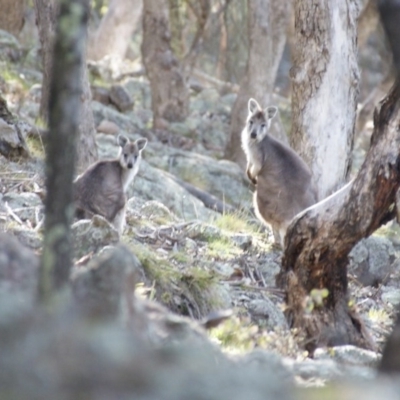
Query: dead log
x,y
319,240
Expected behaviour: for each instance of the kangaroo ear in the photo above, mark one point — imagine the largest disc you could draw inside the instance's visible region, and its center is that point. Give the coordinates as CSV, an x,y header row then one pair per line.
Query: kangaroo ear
x,y
122,140
141,144
271,112
253,106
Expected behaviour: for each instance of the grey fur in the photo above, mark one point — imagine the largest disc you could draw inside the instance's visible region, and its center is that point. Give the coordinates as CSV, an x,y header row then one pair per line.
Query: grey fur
x,y
102,188
284,184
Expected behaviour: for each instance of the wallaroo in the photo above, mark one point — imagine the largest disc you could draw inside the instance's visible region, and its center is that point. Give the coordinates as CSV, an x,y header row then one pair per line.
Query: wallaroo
x,y
284,184
102,188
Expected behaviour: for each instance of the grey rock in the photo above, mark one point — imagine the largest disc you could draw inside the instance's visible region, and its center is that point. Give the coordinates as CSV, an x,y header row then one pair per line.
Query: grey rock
x,y
125,122
26,205
12,142
223,179
109,279
120,98
371,260
266,310
18,267
156,209
153,184
348,354
390,295
28,237
139,91
91,235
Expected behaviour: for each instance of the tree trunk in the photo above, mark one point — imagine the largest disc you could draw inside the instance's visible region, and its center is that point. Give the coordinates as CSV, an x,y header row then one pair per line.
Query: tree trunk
x,y
12,15
267,20
325,79
115,30
169,93
319,241
87,150
64,106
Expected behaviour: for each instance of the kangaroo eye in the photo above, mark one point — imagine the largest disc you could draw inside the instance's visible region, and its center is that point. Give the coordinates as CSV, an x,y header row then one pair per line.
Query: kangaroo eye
x,y
250,122
126,156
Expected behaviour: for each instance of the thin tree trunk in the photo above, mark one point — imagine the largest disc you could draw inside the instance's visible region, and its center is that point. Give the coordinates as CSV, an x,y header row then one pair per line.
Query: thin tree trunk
x,y
115,30
267,21
169,92
325,80
87,151
65,102
319,241
12,15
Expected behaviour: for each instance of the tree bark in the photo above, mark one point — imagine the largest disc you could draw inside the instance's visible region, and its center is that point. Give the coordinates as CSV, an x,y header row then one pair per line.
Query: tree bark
x,y
325,80
12,15
115,30
267,20
65,103
169,92
46,11
318,241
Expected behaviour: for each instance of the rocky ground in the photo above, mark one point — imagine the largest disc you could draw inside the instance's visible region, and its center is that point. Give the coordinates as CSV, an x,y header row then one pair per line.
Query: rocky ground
x,y
193,260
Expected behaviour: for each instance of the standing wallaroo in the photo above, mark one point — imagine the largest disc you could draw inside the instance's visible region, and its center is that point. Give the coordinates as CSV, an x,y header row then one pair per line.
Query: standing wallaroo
x,y
284,184
102,188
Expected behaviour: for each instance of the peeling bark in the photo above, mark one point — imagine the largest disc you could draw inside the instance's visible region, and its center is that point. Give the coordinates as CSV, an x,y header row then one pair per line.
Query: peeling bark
x,y
115,30
325,79
169,92
267,21
319,240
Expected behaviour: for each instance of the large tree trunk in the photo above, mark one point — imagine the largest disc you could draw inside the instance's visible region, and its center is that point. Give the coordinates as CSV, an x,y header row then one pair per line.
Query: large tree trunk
x,y
65,102
169,92
46,11
267,20
319,241
115,30
12,15
325,79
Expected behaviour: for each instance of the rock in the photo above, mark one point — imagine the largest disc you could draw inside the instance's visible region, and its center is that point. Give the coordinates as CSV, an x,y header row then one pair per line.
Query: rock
x,y
269,267
269,312
348,354
26,205
120,97
12,142
157,210
223,179
242,240
154,184
11,49
108,127
100,94
126,123
139,91
18,268
91,235
28,237
108,279
390,295
371,260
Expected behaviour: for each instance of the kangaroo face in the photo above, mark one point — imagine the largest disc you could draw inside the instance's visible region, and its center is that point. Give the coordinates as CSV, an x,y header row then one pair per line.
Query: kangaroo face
x,y
258,121
130,153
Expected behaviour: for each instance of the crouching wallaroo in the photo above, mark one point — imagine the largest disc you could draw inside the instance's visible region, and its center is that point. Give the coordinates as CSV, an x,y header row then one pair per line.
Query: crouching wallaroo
x,y
284,184
102,188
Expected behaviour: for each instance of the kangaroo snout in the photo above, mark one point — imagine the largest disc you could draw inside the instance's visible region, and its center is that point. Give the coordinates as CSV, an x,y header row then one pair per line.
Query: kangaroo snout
x,y
253,134
130,165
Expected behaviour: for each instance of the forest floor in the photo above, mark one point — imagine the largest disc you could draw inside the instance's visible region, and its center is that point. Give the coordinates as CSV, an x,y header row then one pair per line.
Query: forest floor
x,y
194,261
